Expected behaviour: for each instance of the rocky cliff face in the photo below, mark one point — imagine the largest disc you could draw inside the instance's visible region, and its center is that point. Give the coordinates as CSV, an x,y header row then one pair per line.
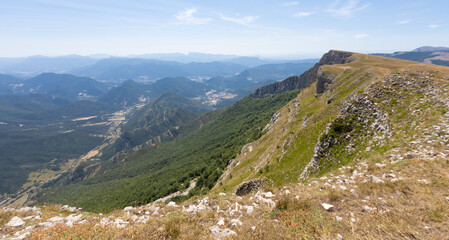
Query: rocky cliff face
x,y
308,77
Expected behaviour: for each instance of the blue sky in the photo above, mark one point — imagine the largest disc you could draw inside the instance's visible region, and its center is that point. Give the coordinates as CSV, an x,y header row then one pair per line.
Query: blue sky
x,y
245,27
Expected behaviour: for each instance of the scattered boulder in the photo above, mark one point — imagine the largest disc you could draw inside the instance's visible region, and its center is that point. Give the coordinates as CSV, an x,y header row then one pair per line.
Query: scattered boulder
x,y
68,208
221,222
235,222
328,207
339,236
250,186
15,222
172,204
219,233
56,219
268,195
129,208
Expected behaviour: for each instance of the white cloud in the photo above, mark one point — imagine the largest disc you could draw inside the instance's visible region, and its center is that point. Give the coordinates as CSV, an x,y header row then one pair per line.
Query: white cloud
x,y
403,22
303,14
243,20
186,17
288,4
347,9
363,35
434,26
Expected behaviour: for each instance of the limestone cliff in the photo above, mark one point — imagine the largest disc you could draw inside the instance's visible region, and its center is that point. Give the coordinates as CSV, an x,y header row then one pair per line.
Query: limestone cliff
x,y
310,76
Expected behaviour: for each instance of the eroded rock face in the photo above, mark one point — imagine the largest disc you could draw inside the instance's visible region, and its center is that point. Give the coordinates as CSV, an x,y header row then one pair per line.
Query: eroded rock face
x,y
250,186
359,118
324,79
307,78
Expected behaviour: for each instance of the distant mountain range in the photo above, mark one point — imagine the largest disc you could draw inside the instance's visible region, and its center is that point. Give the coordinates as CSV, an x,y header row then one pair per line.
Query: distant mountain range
x,y
117,69
426,54
152,66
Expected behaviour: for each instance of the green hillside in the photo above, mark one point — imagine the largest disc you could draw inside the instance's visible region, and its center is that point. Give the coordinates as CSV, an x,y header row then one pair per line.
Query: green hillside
x,y
149,174
156,122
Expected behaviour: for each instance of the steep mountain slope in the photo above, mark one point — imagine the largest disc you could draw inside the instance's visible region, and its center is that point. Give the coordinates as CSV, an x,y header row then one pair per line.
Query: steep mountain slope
x,y
7,83
146,175
127,93
353,111
44,132
64,85
157,122
179,85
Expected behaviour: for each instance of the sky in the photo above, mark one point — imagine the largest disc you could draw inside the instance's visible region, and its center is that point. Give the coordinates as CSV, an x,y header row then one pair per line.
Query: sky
x,y
244,27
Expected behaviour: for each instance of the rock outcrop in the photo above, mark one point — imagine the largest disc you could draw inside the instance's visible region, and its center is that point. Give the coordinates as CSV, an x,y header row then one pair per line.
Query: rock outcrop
x,y
250,186
307,78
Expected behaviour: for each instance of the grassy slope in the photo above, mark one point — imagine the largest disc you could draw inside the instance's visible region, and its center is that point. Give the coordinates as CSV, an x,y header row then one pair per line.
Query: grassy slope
x,y
297,142
153,173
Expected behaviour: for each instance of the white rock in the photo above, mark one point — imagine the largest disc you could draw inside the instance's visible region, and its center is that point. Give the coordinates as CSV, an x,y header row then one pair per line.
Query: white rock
x,y
328,207
84,221
338,218
56,219
380,165
368,209
339,237
269,202
287,191
22,236
249,209
74,217
377,180
47,224
156,211
68,208
343,187
221,222
69,223
119,223
172,204
222,194
219,233
353,220
424,181
15,222
142,219
234,222
253,228
105,221
129,208
268,195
